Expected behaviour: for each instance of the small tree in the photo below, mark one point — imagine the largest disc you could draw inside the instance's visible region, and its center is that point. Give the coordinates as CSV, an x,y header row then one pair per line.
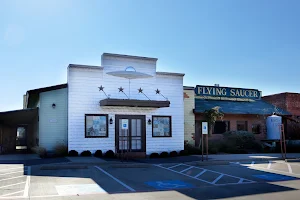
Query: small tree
x,y
212,116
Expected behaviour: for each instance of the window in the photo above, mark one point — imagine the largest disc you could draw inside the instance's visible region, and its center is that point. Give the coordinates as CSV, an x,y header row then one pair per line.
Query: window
x,y
221,127
255,128
161,126
96,126
242,126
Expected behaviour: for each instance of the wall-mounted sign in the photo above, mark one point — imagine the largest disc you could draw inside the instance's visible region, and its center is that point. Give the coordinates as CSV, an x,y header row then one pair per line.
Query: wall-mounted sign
x,y
204,128
124,123
226,93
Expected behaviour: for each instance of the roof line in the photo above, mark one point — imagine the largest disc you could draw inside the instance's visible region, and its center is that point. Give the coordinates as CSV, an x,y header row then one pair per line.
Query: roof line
x,y
170,73
85,66
49,88
129,56
26,109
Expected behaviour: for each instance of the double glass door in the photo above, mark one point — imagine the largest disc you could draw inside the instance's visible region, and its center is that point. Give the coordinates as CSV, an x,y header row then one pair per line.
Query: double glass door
x,y
130,133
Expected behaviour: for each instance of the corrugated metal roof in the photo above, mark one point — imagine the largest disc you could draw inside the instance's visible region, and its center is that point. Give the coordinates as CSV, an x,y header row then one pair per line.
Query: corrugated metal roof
x,y
258,107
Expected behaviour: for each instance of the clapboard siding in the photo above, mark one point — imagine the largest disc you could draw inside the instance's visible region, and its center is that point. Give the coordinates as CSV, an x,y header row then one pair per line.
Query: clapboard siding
x,y
84,97
53,122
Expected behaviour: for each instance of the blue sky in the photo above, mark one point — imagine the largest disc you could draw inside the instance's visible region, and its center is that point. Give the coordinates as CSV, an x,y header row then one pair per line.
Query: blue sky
x,y
241,43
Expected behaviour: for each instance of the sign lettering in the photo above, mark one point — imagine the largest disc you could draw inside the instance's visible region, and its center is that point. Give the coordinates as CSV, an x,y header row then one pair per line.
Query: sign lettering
x,y
225,92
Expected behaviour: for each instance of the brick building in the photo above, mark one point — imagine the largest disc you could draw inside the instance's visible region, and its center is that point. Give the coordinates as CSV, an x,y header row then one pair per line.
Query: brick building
x,y
243,109
291,103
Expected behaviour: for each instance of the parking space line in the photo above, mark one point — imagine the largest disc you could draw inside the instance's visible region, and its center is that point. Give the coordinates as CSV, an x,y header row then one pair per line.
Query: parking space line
x,y
11,178
117,180
290,168
240,180
12,185
200,173
11,193
183,174
217,179
26,189
175,166
186,169
269,165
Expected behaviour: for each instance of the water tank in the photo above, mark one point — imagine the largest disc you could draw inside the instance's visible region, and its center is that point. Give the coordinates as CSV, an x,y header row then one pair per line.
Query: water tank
x,y
273,127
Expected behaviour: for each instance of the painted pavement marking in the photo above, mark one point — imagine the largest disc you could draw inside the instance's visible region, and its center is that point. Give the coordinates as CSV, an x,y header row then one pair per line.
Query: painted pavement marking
x,y
27,185
9,194
275,177
15,173
169,185
214,182
290,168
117,180
269,168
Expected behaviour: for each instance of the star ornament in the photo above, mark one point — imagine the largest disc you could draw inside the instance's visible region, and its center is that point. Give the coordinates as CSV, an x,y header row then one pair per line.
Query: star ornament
x,y
157,91
101,88
121,89
140,90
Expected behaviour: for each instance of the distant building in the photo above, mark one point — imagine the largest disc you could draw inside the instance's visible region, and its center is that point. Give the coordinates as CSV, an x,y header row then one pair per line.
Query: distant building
x,y
291,103
243,109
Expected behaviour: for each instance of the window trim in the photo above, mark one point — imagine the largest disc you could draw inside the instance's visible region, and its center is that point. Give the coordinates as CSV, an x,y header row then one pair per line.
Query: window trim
x,y
258,127
86,115
245,124
170,117
225,121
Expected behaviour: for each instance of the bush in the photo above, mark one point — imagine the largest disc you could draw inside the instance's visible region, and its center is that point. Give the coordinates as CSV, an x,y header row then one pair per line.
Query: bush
x,y
183,152
98,154
61,150
173,154
86,153
109,154
240,142
42,152
192,150
164,154
154,155
73,153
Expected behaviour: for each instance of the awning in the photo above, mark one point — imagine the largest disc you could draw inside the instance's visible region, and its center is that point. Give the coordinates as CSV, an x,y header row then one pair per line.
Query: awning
x,y
24,116
134,103
258,107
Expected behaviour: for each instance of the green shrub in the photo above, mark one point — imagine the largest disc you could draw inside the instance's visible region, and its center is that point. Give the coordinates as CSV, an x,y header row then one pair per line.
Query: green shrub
x,y
41,151
164,154
240,142
154,155
183,152
173,154
98,154
73,153
109,154
192,150
86,153
61,150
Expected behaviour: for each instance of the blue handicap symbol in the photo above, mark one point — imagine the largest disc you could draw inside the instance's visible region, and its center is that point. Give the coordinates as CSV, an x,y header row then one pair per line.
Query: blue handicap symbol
x,y
167,185
275,177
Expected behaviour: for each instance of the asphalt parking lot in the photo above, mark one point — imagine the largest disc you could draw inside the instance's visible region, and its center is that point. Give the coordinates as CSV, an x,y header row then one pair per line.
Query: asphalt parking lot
x,y
185,181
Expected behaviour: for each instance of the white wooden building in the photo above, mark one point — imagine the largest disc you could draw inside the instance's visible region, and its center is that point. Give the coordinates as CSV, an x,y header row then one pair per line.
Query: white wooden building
x,y
125,104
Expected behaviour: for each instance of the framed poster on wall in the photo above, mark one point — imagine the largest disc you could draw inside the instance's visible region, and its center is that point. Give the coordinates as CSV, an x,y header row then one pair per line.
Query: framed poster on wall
x,y
96,125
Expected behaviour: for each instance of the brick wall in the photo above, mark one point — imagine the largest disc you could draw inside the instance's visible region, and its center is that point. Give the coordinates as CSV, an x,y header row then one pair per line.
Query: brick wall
x,y
278,100
189,117
293,103
251,119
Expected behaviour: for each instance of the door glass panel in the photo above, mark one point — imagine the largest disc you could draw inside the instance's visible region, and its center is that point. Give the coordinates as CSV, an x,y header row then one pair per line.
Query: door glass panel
x,y
21,142
139,127
138,144
133,127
